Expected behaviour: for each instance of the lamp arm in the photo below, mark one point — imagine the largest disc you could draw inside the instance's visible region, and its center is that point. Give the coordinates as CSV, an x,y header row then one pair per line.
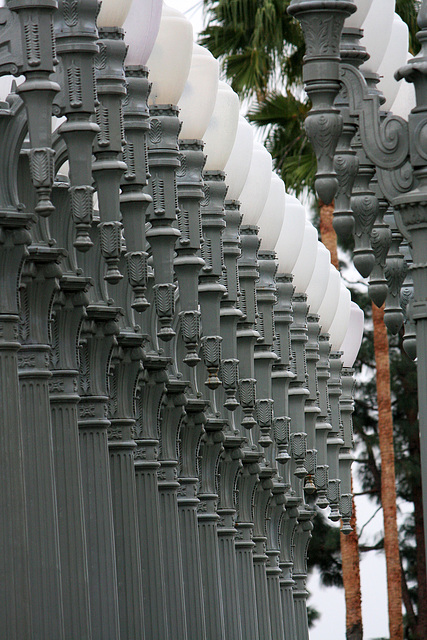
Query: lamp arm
x,y
385,142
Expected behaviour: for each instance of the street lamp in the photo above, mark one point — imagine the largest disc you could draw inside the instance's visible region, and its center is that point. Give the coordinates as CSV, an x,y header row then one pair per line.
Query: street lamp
x,y
161,428
385,144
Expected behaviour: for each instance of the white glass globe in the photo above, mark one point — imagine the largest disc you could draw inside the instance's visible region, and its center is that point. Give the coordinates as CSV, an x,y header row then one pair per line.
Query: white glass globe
x,y
376,32
221,132
271,220
395,57
355,21
339,325
197,101
6,85
254,194
291,235
304,266
170,60
141,28
316,288
239,162
405,100
353,338
113,13
329,304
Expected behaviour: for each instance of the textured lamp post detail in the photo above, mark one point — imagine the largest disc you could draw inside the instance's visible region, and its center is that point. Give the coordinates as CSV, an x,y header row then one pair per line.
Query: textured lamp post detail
x,y
345,456
211,447
229,468
125,366
334,441
323,426
152,384
14,238
298,392
192,430
264,355
412,210
164,161
247,482
406,301
108,167
69,310
380,242
364,204
158,506
394,271
230,313
77,102
302,538
246,332
97,339
38,91
133,200
172,413
188,261
312,409
211,290
41,273
322,23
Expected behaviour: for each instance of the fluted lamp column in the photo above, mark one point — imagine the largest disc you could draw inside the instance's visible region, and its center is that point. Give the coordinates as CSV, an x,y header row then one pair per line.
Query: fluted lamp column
x,y
327,312
196,107
315,291
302,273
337,332
219,139
270,225
350,348
251,559
236,171
169,65
143,20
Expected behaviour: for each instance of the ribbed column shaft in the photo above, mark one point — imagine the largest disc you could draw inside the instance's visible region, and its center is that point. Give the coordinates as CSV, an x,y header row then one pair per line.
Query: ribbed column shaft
x,y
191,559
171,543
229,583
148,505
44,562
261,589
287,599
276,613
246,577
214,611
99,518
69,495
15,622
301,620
126,536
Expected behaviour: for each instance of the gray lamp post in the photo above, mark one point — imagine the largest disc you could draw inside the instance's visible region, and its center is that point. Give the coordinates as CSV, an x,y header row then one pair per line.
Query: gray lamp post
x,y
386,143
141,346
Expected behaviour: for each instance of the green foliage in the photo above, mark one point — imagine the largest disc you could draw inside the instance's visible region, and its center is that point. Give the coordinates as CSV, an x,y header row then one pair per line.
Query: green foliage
x,y
324,552
408,9
312,615
282,115
254,40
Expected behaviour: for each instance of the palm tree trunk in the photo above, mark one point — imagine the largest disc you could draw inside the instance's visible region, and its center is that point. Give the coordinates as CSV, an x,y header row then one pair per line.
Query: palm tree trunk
x,y
388,482
351,579
350,542
327,231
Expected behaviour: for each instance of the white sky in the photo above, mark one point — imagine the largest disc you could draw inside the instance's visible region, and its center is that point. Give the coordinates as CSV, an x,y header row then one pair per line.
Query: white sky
x,y
330,600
